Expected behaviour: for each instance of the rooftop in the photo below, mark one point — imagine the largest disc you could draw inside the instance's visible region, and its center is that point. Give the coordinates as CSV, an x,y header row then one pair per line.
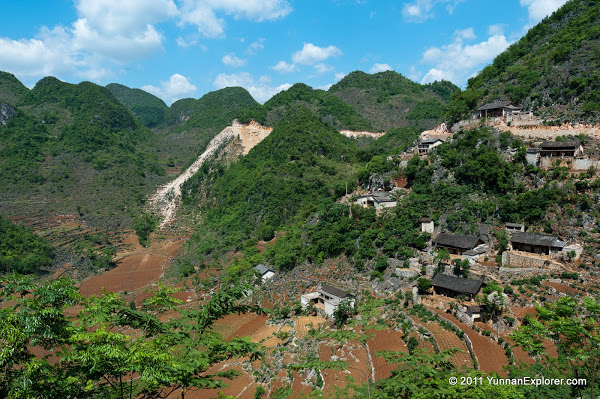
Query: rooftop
x,y
515,225
429,141
560,144
329,289
496,105
457,284
262,269
457,241
537,239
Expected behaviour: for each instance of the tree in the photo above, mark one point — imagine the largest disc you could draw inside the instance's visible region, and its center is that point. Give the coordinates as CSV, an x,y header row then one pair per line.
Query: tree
x,y
155,358
343,312
423,285
574,327
441,259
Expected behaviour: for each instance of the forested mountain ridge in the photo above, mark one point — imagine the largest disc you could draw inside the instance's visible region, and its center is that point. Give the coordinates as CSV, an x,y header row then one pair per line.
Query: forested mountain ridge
x,y
74,147
148,109
553,70
389,100
11,89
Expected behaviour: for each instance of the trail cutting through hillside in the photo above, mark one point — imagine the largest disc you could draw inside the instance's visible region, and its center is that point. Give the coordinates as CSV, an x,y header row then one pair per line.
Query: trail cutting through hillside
x,y
167,198
244,137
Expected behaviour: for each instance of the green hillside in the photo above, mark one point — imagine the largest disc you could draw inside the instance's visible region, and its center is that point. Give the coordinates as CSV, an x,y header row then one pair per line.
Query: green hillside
x,y
21,250
302,161
11,89
554,70
330,108
75,148
148,109
389,100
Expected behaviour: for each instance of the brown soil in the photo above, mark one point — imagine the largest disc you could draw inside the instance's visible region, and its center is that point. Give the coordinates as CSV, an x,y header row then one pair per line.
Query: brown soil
x,y
304,323
490,355
385,340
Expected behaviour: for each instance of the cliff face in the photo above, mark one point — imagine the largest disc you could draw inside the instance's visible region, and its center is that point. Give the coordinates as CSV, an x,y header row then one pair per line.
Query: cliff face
x,y
6,112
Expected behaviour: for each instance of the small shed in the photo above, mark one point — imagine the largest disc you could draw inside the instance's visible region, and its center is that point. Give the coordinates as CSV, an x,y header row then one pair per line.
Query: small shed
x,y
455,243
474,254
536,243
264,272
474,312
561,149
452,286
512,227
427,225
427,145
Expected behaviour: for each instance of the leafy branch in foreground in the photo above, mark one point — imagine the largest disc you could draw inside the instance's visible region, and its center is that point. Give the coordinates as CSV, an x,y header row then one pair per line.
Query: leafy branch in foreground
x,y
112,349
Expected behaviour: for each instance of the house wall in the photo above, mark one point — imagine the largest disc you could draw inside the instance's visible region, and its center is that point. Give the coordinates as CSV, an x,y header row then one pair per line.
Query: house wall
x,y
267,276
521,260
427,227
385,205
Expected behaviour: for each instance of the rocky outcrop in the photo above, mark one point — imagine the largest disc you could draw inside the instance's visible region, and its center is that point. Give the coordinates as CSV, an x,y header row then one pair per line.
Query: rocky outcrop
x,y
6,112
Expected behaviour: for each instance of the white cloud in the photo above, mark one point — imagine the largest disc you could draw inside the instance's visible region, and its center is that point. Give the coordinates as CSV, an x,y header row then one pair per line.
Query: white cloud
x,y
466,34
119,17
233,61
284,67
456,61
538,9
256,46
325,87
496,29
203,13
422,10
323,68
380,68
261,90
177,87
311,54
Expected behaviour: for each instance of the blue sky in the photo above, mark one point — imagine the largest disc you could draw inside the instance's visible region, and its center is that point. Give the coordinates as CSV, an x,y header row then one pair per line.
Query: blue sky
x,y
186,48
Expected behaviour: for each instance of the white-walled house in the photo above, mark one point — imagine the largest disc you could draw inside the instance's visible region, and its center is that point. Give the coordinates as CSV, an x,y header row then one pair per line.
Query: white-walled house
x,y
327,299
264,272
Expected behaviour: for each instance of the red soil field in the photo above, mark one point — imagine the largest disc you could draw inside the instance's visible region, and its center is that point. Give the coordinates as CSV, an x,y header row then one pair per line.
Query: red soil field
x,y
490,355
449,340
385,340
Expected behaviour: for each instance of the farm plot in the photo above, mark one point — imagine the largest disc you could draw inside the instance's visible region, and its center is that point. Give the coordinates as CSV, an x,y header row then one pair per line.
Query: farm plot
x,y
449,340
385,340
490,355
305,323
355,355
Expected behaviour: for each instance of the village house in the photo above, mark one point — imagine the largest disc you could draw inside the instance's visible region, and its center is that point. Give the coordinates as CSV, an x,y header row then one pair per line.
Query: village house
x,y
427,145
456,244
264,272
492,110
326,299
512,227
532,156
474,312
474,254
452,286
427,225
536,243
377,199
561,149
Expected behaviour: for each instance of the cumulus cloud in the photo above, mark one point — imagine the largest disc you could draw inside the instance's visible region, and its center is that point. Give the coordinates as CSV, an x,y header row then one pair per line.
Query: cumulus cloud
x,y
256,46
466,34
457,61
422,10
177,87
204,13
538,9
323,68
284,67
233,61
260,89
496,29
380,68
311,54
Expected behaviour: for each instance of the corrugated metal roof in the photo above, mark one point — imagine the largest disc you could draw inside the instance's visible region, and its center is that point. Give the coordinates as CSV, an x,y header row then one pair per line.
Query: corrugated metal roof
x,y
560,144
